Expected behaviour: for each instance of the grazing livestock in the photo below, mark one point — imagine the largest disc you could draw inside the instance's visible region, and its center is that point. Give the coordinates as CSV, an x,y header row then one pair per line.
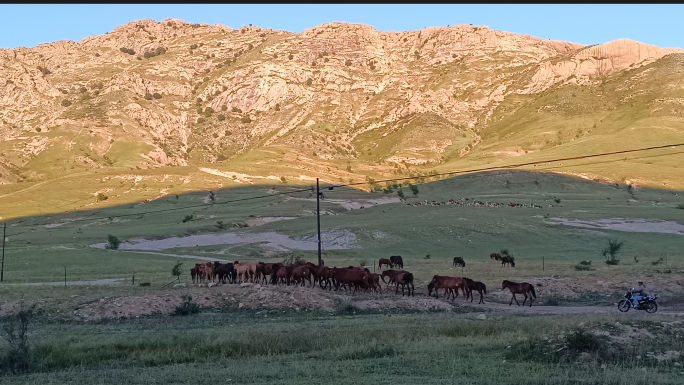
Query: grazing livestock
x,y
405,280
349,277
301,274
385,261
474,285
458,261
390,274
519,288
449,284
244,270
224,271
397,261
508,260
495,256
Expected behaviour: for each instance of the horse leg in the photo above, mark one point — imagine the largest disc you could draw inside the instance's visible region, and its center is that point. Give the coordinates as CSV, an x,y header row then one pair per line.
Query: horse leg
x,y
516,300
481,300
530,300
525,300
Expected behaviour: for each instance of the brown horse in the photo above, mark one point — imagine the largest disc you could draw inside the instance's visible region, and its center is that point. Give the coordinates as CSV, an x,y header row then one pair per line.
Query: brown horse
x,y
449,284
385,261
390,274
405,280
300,274
475,285
519,288
508,260
495,256
194,274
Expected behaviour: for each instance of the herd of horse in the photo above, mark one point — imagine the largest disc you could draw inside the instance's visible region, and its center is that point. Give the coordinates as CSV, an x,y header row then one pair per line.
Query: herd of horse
x,y
357,278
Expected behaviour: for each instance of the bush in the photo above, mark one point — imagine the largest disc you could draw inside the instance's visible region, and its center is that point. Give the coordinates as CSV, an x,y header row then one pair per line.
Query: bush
x,y
199,110
221,118
400,194
363,262
290,56
246,119
15,330
83,90
658,262
309,81
187,218
156,95
680,206
44,70
414,189
347,62
221,158
580,267
188,307
277,107
250,46
193,46
557,200
112,243
235,109
587,263
612,250
101,197
224,107
148,96
66,103
200,120
208,111
127,50
283,179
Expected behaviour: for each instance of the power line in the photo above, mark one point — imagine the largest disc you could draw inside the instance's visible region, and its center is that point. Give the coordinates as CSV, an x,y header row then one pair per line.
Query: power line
x,y
514,165
385,180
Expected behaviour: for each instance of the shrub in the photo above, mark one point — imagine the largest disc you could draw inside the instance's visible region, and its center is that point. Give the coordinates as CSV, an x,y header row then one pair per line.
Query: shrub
x,y
187,218
347,62
309,81
277,108
290,56
235,109
188,307
127,50
44,70
97,54
15,330
199,110
145,284
557,200
148,96
160,51
200,120
246,119
221,158
156,95
112,243
585,263
198,101
580,267
215,135
193,46
38,129
680,206
612,250
83,90
659,261
427,256
250,46
223,107
283,179
101,197
66,103
221,118
326,59
363,262
208,111
414,189
400,194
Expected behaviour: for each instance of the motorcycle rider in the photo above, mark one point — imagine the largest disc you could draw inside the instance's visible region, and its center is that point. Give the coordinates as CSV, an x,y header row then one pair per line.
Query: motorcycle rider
x,y
641,290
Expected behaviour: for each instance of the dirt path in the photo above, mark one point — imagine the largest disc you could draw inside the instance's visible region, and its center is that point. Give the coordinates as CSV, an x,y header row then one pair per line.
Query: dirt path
x,y
212,259
561,309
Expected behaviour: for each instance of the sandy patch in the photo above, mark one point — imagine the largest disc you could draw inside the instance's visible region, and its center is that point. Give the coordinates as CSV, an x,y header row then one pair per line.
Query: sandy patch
x,y
331,240
354,204
252,222
106,281
621,224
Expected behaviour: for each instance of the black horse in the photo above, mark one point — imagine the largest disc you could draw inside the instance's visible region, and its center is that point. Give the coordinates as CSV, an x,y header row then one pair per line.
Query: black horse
x,y
458,261
397,261
225,271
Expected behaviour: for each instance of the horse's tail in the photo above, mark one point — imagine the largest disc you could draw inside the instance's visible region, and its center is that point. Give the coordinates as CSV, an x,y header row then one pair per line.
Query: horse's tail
x,y
408,277
532,291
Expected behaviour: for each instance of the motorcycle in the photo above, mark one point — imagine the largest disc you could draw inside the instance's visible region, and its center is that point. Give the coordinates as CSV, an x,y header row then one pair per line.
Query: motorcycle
x,y
648,303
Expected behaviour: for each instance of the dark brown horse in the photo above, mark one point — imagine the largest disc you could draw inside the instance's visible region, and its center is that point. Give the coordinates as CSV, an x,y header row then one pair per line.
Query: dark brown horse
x,y
519,288
397,261
495,256
475,285
508,260
404,279
449,284
385,261
458,261
390,274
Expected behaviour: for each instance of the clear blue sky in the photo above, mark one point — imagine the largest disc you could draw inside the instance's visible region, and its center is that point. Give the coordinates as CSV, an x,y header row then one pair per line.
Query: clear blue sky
x,y
30,25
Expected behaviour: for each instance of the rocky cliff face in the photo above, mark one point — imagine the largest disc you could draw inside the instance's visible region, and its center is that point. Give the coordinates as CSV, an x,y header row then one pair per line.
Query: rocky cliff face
x,y
170,93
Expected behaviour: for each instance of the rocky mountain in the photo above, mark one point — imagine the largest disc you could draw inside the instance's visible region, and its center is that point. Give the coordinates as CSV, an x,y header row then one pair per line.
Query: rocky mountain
x,y
340,101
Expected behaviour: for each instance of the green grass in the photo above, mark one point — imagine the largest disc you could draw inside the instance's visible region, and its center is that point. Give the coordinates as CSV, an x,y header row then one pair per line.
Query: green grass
x,y
249,347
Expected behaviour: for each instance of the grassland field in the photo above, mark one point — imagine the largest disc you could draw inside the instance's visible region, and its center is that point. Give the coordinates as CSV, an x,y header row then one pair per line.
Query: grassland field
x,y
351,344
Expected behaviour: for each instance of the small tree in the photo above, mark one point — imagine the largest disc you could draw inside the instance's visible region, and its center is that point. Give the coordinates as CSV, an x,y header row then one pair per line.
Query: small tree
x,y
283,179
187,218
176,271
246,119
156,95
221,118
400,193
309,81
347,62
112,243
66,103
221,225
505,253
101,197
148,96
15,332
611,251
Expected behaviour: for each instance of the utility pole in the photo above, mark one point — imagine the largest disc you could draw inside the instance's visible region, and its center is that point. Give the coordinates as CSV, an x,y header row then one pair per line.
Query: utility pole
x,y
318,217
2,267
